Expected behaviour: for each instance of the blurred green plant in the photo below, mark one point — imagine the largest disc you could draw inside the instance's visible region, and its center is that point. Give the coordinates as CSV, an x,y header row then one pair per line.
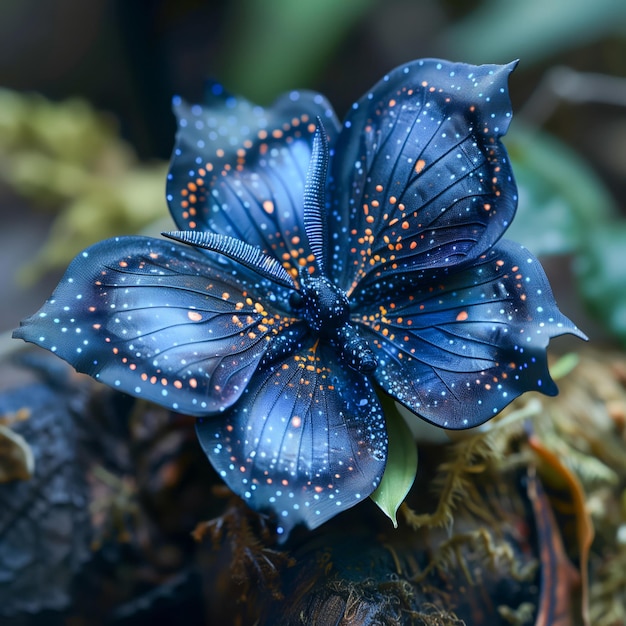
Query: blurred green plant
x,y
68,158
601,271
560,197
531,30
279,45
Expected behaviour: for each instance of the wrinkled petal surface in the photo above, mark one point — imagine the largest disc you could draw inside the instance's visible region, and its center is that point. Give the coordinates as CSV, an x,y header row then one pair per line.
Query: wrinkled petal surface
x,y
457,352
307,439
156,320
421,180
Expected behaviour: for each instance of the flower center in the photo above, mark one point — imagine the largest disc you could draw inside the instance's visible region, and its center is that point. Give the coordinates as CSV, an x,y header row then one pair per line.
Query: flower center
x,y
326,310
323,305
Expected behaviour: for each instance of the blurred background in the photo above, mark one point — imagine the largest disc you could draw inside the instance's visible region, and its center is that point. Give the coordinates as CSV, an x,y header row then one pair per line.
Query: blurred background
x,y
86,131
86,128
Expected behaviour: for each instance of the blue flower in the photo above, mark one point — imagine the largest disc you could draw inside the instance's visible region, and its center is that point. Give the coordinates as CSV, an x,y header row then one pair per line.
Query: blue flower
x,y
324,262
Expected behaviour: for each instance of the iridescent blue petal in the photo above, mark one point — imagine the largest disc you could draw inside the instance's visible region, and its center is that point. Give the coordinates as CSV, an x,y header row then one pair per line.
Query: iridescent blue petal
x,y
158,321
306,440
239,169
421,180
458,351
388,268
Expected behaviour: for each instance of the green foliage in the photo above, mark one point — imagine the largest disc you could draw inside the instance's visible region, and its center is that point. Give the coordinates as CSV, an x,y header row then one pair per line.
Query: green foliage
x,y
497,31
561,198
602,275
68,158
280,44
401,463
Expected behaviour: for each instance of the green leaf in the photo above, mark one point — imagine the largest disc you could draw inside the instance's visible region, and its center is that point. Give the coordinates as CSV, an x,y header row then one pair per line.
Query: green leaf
x,y
601,270
560,197
401,463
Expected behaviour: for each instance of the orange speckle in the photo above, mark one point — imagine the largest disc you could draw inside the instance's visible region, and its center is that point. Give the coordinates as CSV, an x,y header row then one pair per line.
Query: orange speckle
x,y
268,207
193,383
462,316
194,316
419,166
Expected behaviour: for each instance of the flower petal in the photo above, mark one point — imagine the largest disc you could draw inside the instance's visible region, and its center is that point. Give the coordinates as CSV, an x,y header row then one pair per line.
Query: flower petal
x,y
156,320
458,352
306,440
422,180
239,169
